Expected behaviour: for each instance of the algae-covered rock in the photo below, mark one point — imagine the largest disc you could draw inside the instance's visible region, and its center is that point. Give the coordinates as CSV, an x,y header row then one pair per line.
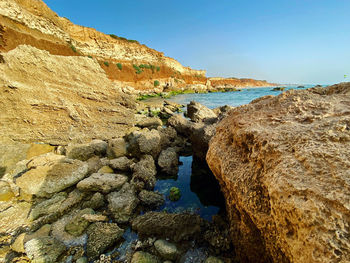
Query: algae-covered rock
x,y
144,257
77,225
152,199
212,259
174,194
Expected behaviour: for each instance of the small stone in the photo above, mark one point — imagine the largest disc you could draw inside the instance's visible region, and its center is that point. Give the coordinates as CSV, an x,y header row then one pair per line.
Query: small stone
x,y
82,260
175,194
100,237
78,223
44,249
104,183
121,164
166,249
116,148
213,260
150,198
105,170
144,257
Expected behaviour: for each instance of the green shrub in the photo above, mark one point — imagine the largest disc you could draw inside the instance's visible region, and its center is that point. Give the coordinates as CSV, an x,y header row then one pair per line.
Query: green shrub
x,y
89,56
156,83
133,41
113,36
106,63
158,68
73,48
120,66
137,68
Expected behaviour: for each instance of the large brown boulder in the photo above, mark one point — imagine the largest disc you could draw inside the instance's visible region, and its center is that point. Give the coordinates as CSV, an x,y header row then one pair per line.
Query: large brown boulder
x,y
283,164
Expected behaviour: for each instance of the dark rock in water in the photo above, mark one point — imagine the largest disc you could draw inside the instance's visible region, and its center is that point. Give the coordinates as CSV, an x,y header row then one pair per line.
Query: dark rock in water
x,y
152,199
166,249
176,227
100,237
278,89
168,161
301,87
198,112
198,255
200,138
44,249
174,194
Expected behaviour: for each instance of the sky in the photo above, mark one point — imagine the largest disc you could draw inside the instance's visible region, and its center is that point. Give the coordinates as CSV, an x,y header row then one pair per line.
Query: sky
x,y
283,41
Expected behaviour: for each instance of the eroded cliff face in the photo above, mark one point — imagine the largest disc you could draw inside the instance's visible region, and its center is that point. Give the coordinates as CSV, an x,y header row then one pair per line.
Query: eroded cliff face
x,y
235,82
31,22
56,99
283,164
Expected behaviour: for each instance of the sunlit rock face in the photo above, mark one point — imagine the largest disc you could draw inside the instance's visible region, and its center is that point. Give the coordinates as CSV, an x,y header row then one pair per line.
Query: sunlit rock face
x,y
283,165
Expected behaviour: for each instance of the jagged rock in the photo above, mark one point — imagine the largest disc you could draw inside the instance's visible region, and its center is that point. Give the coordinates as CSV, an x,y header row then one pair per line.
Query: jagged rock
x,y
283,167
168,136
151,123
144,142
181,124
145,171
100,237
103,183
84,152
121,164
46,180
116,148
168,161
94,164
200,138
152,199
14,218
44,249
82,260
173,226
94,218
122,203
49,206
194,255
198,112
144,257
77,225
166,249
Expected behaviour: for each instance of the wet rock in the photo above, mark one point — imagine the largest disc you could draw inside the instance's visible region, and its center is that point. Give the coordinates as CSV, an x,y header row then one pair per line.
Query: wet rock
x,y
103,183
145,172
212,259
84,152
283,166
144,257
200,139
174,194
49,206
105,170
166,249
151,123
121,164
197,255
44,249
116,148
46,180
96,201
164,225
74,198
82,260
77,225
100,237
168,161
198,112
122,203
152,199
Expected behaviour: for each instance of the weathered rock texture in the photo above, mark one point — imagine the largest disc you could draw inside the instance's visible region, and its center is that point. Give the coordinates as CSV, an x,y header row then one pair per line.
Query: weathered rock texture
x,y
283,164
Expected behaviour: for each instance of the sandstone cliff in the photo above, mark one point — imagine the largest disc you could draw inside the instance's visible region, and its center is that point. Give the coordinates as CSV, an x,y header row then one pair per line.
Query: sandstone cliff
x,y
238,83
283,164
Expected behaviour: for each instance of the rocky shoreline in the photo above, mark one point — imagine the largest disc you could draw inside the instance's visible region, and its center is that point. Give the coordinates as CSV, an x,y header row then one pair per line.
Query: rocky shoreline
x,y
74,202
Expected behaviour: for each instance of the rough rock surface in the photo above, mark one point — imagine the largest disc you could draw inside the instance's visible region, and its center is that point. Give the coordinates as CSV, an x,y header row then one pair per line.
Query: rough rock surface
x,y
84,152
283,164
144,172
168,161
198,112
174,226
144,257
121,164
103,183
44,249
166,249
150,198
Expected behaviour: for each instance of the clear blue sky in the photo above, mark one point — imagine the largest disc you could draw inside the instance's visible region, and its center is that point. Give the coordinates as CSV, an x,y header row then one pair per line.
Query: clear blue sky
x,y
286,41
